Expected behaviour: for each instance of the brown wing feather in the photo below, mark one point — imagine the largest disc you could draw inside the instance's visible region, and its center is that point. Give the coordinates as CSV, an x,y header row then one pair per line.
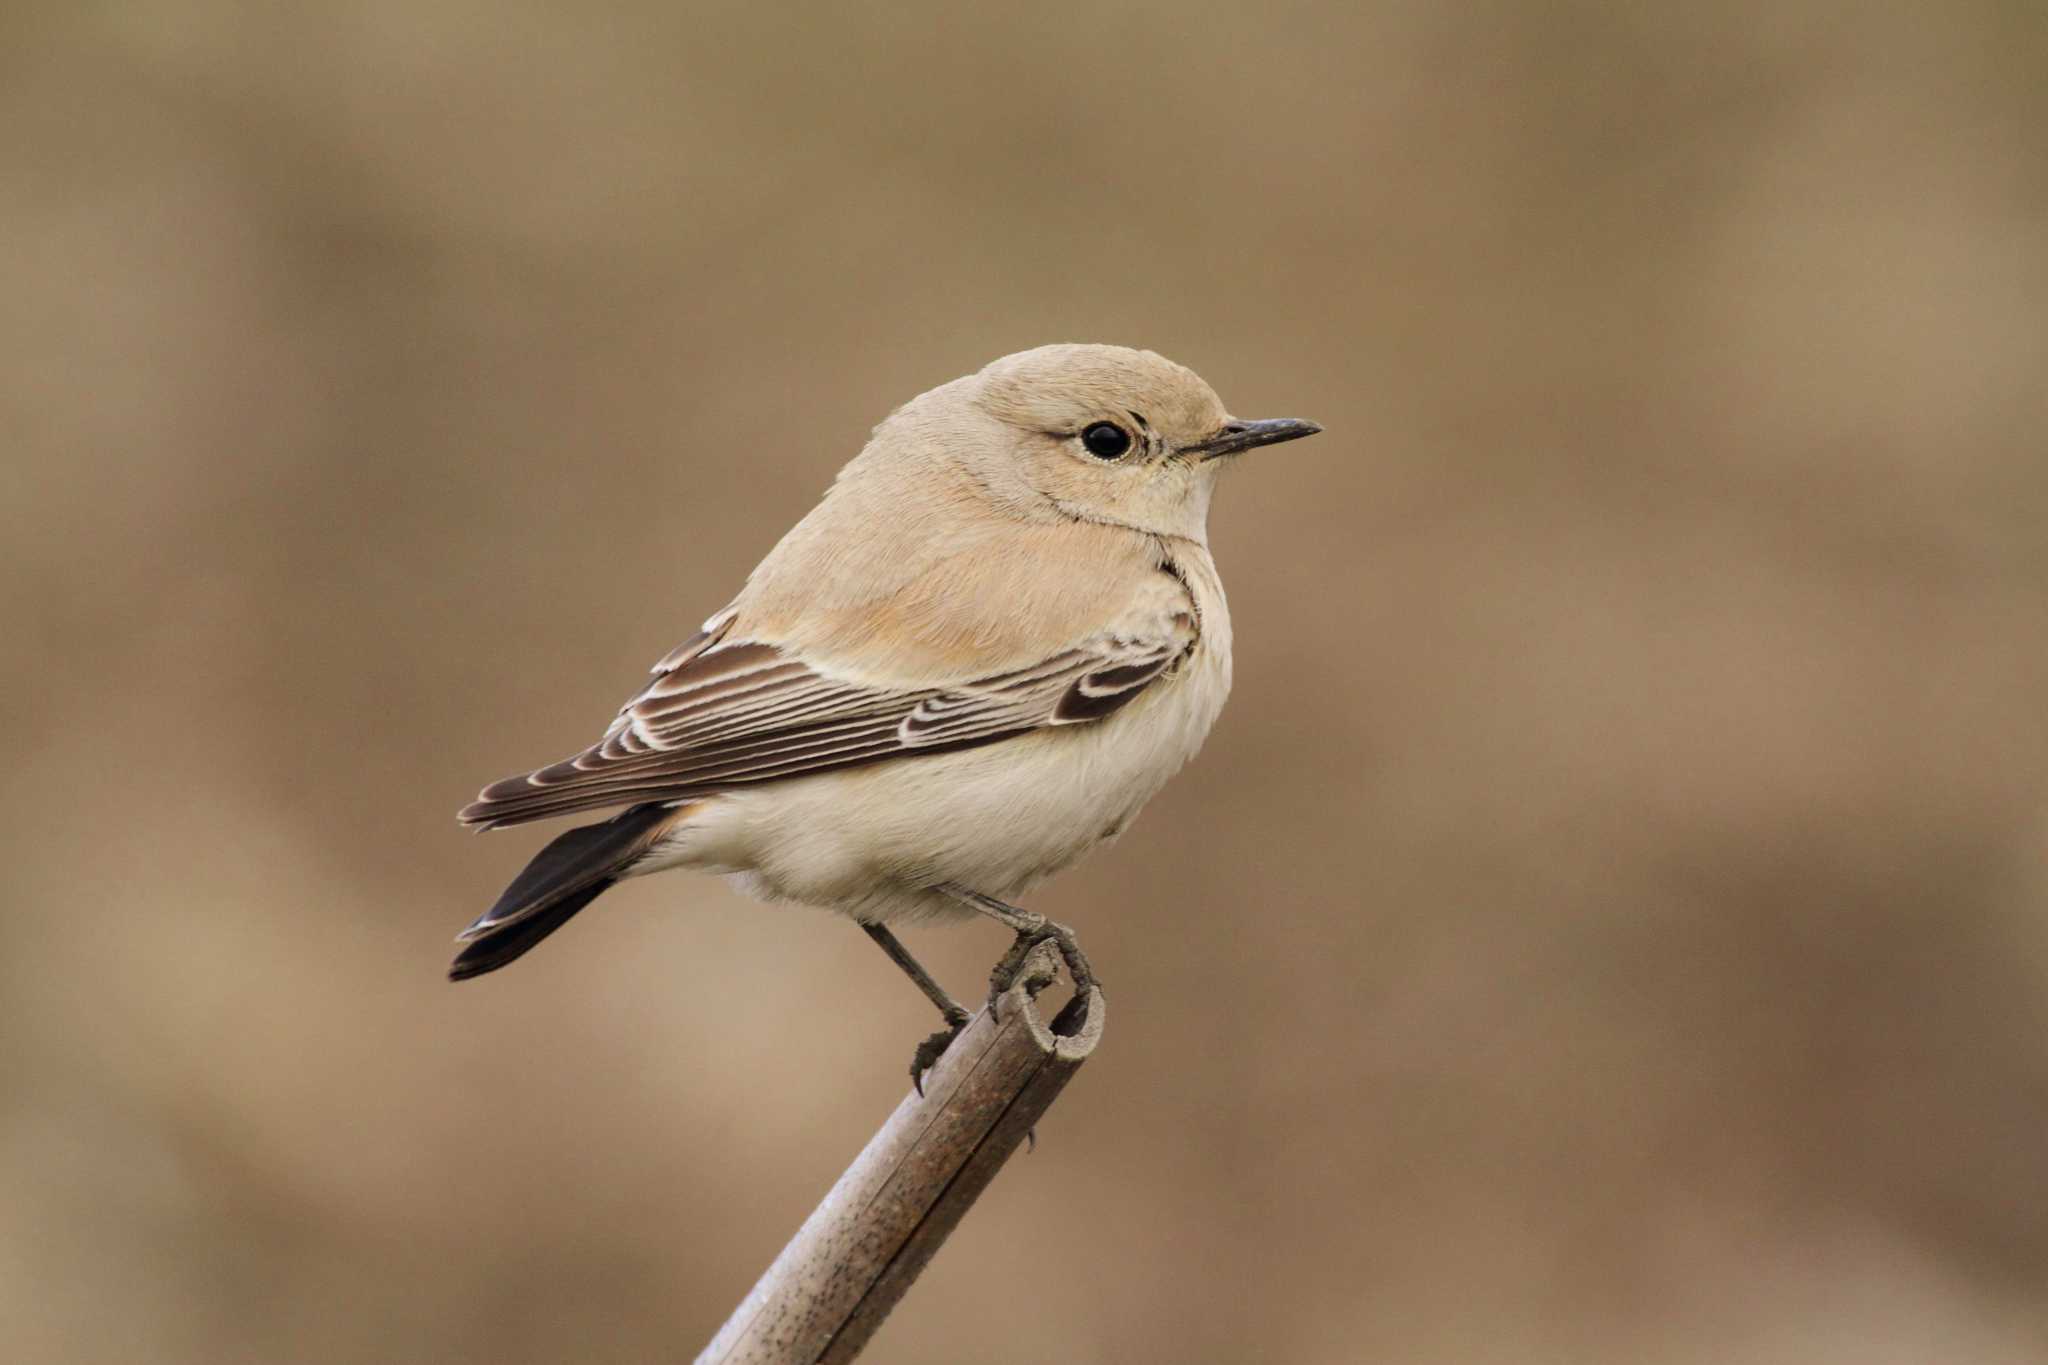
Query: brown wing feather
x,y
721,714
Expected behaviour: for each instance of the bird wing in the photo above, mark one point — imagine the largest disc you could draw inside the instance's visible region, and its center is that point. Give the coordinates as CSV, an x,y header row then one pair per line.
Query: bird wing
x,y
725,712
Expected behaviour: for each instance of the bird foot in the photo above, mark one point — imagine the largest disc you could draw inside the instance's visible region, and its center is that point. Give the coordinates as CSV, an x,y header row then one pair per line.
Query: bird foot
x,y
931,1049
1062,938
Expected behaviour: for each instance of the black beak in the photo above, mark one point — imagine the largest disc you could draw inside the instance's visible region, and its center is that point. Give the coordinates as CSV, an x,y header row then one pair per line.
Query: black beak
x,y
1237,436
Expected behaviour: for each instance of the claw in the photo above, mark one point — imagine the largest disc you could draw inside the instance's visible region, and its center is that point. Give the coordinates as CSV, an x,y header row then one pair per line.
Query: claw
x,y
1061,937
931,1049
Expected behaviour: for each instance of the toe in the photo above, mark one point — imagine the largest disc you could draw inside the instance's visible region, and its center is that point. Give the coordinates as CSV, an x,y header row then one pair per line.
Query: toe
x,y
930,1050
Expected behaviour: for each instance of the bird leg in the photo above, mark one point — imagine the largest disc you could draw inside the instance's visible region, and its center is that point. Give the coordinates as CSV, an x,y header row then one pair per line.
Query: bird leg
x,y
1031,929
931,1049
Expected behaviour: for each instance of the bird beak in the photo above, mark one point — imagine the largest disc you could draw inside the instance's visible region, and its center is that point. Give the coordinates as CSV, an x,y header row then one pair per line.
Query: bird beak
x,y
1237,436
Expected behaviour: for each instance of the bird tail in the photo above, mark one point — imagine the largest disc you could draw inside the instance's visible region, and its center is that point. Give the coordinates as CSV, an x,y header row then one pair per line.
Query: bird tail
x,y
564,877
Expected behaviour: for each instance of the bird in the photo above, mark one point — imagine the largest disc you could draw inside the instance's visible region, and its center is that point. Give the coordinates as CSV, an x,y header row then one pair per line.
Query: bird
x,y
992,641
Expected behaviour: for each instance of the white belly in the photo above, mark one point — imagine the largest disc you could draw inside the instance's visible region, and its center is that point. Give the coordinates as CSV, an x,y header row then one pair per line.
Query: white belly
x,y
872,841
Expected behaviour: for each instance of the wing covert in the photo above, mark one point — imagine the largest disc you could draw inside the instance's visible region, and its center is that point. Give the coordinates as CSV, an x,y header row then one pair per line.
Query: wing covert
x,y
722,713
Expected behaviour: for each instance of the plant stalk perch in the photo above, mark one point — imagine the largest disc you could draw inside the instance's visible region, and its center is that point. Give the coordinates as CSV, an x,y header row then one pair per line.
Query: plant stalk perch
x,y
880,1225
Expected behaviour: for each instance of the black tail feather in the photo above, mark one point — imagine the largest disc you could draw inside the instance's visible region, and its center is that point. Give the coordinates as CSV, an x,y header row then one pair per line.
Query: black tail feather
x,y
500,946
567,875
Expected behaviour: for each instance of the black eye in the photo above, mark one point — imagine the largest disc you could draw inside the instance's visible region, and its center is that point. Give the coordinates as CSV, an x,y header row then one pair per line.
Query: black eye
x,y
1106,440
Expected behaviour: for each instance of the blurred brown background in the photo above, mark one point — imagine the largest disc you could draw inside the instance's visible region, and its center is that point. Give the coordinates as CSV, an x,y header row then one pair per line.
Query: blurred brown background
x,y
1608,924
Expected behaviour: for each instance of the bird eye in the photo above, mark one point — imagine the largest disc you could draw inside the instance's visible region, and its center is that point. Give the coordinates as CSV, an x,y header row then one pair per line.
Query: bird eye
x,y
1106,440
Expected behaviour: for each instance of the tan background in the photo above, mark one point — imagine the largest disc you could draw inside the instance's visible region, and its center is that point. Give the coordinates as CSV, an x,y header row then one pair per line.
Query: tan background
x,y
1608,924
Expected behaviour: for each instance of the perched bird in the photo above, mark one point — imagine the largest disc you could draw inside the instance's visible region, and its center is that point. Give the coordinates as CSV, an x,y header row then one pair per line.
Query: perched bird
x,y
992,641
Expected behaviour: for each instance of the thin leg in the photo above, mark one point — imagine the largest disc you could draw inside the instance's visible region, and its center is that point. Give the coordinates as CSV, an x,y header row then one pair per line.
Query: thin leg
x,y
931,1049
1031,929
954,1012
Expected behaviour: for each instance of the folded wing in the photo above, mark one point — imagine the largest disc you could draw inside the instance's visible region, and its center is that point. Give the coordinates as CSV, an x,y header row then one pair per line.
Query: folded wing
x,y
724,713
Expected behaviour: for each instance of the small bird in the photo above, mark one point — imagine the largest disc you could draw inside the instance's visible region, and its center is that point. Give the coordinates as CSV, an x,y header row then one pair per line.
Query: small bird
x,y
993,640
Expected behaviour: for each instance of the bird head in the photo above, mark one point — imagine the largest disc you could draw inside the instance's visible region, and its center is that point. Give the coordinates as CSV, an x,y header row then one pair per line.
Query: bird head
x,y
1092,433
